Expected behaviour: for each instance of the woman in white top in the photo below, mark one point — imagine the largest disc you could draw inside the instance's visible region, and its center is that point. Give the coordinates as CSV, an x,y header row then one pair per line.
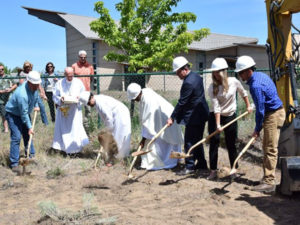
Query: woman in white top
x,y
222,93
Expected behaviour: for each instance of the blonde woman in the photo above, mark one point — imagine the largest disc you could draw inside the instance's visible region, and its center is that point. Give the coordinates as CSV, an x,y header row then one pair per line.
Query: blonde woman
x,y
222,93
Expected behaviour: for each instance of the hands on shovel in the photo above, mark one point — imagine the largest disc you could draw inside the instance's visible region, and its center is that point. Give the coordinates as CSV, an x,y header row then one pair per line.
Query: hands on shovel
x,y
178,155
137,153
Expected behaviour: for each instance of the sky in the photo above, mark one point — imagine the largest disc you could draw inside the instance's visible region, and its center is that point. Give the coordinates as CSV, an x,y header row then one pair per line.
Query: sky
x,y
25,37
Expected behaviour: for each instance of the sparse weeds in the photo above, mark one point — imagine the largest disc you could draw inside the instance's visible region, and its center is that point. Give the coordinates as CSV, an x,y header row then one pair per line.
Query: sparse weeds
x,y
4,157
89,214
55,173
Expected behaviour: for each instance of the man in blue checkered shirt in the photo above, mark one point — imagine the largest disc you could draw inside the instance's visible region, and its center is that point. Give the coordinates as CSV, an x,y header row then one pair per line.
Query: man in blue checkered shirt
x,y
269,117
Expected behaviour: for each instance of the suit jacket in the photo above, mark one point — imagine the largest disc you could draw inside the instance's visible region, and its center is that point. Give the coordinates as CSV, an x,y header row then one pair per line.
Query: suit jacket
x,y
192,108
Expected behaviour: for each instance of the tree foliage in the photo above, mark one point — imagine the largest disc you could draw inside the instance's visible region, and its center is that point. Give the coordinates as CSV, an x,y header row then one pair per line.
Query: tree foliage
x,y
148,34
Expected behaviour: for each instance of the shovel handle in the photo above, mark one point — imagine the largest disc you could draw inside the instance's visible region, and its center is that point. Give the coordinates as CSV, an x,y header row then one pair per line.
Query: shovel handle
x,y
215,132
156,136
30,136
242,153
98,156
133,161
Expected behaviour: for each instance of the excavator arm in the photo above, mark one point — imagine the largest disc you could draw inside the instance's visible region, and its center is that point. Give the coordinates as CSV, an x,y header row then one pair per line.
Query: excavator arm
x,y
282,60
279,13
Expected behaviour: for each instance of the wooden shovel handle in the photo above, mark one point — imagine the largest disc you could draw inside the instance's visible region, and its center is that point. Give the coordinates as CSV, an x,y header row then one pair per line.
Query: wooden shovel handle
x,y
243,151
215,132
156,136
133,161
30,136
98,156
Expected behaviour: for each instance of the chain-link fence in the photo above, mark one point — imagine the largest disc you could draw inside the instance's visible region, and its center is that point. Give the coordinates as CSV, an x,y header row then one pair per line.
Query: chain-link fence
x,y
166,84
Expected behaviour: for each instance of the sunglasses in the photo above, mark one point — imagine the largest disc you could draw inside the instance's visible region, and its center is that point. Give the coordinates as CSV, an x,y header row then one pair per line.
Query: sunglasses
x,y
82,57
50,66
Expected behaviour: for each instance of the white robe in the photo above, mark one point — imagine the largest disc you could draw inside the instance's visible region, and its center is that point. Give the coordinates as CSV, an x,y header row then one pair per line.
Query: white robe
x,y
69,133
116,118
154,113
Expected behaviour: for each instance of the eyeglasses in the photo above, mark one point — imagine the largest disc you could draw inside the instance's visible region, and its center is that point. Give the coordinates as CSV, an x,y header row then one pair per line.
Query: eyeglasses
x,y
82,57
49,66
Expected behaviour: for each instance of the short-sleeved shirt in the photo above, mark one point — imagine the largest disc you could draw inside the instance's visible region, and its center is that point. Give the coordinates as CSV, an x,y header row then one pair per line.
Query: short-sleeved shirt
x,y
84,69
4,84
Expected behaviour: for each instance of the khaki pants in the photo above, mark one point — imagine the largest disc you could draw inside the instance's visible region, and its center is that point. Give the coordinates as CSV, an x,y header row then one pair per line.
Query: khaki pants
x,y
273,121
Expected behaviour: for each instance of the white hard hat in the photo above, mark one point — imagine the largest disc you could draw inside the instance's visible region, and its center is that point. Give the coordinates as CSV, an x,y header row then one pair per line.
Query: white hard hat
x,y
133,90
244,62
179,62
84,97
218,64
34,77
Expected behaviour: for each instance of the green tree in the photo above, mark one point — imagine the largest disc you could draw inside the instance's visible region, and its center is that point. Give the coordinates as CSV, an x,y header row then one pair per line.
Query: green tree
x,y
148,34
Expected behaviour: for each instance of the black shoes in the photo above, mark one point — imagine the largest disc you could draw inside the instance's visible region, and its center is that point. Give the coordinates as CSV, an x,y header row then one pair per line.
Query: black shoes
x,y
185,172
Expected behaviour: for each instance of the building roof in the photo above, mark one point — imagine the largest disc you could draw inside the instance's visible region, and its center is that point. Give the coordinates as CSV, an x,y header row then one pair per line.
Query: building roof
x,y
81,23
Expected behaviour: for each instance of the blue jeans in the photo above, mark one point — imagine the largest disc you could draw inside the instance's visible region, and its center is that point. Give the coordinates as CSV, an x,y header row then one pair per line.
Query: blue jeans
x,y
42,111
17,128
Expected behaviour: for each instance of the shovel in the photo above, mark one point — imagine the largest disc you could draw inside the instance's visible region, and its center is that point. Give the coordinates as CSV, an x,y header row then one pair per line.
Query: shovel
x,y
225,172
137,153
181,155
98,156
133,162
25,161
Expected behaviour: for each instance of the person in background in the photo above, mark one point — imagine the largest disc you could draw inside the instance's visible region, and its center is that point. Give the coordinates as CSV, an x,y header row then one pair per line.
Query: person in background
x,y
27,67
191,111
269,117
154,112
115,116
18,109
82,67
222,93
48,84
69,133
6,87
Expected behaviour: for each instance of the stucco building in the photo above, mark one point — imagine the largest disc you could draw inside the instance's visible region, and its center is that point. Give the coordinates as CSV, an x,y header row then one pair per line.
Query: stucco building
x,y
200,54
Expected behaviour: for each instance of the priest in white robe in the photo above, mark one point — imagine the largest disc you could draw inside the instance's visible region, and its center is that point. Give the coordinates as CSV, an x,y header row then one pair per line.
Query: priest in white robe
x,y
115,116
154,112
69,133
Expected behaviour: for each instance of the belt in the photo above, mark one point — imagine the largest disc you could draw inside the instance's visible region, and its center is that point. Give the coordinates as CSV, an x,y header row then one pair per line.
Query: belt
x,y
271,111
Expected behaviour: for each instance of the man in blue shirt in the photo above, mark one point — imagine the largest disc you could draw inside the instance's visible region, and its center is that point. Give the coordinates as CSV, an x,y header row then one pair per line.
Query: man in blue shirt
x,y
18,109
269,116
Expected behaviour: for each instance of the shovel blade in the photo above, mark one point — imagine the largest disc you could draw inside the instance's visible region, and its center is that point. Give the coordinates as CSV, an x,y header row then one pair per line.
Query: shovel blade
x,y
26,161
232,171
138,153
179,155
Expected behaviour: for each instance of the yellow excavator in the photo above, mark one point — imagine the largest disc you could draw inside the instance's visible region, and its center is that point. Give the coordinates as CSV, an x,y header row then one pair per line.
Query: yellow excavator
x,y
283,51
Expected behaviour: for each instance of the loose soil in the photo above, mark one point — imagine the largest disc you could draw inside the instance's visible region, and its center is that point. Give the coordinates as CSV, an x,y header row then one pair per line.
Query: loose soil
x,y
157,197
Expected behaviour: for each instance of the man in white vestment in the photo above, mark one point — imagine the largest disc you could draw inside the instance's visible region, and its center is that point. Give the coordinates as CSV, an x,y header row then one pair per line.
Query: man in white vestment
x,y
69,133
115,116
154,112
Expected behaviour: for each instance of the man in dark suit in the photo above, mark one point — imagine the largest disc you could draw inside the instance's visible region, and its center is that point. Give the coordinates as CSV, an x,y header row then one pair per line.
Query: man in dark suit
x,y
191,111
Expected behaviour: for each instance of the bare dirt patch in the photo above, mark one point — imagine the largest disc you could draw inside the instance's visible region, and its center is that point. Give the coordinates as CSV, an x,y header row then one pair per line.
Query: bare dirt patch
x,y
80,195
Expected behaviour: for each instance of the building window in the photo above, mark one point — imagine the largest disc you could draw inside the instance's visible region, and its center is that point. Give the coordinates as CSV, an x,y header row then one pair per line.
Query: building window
x,y
201,67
